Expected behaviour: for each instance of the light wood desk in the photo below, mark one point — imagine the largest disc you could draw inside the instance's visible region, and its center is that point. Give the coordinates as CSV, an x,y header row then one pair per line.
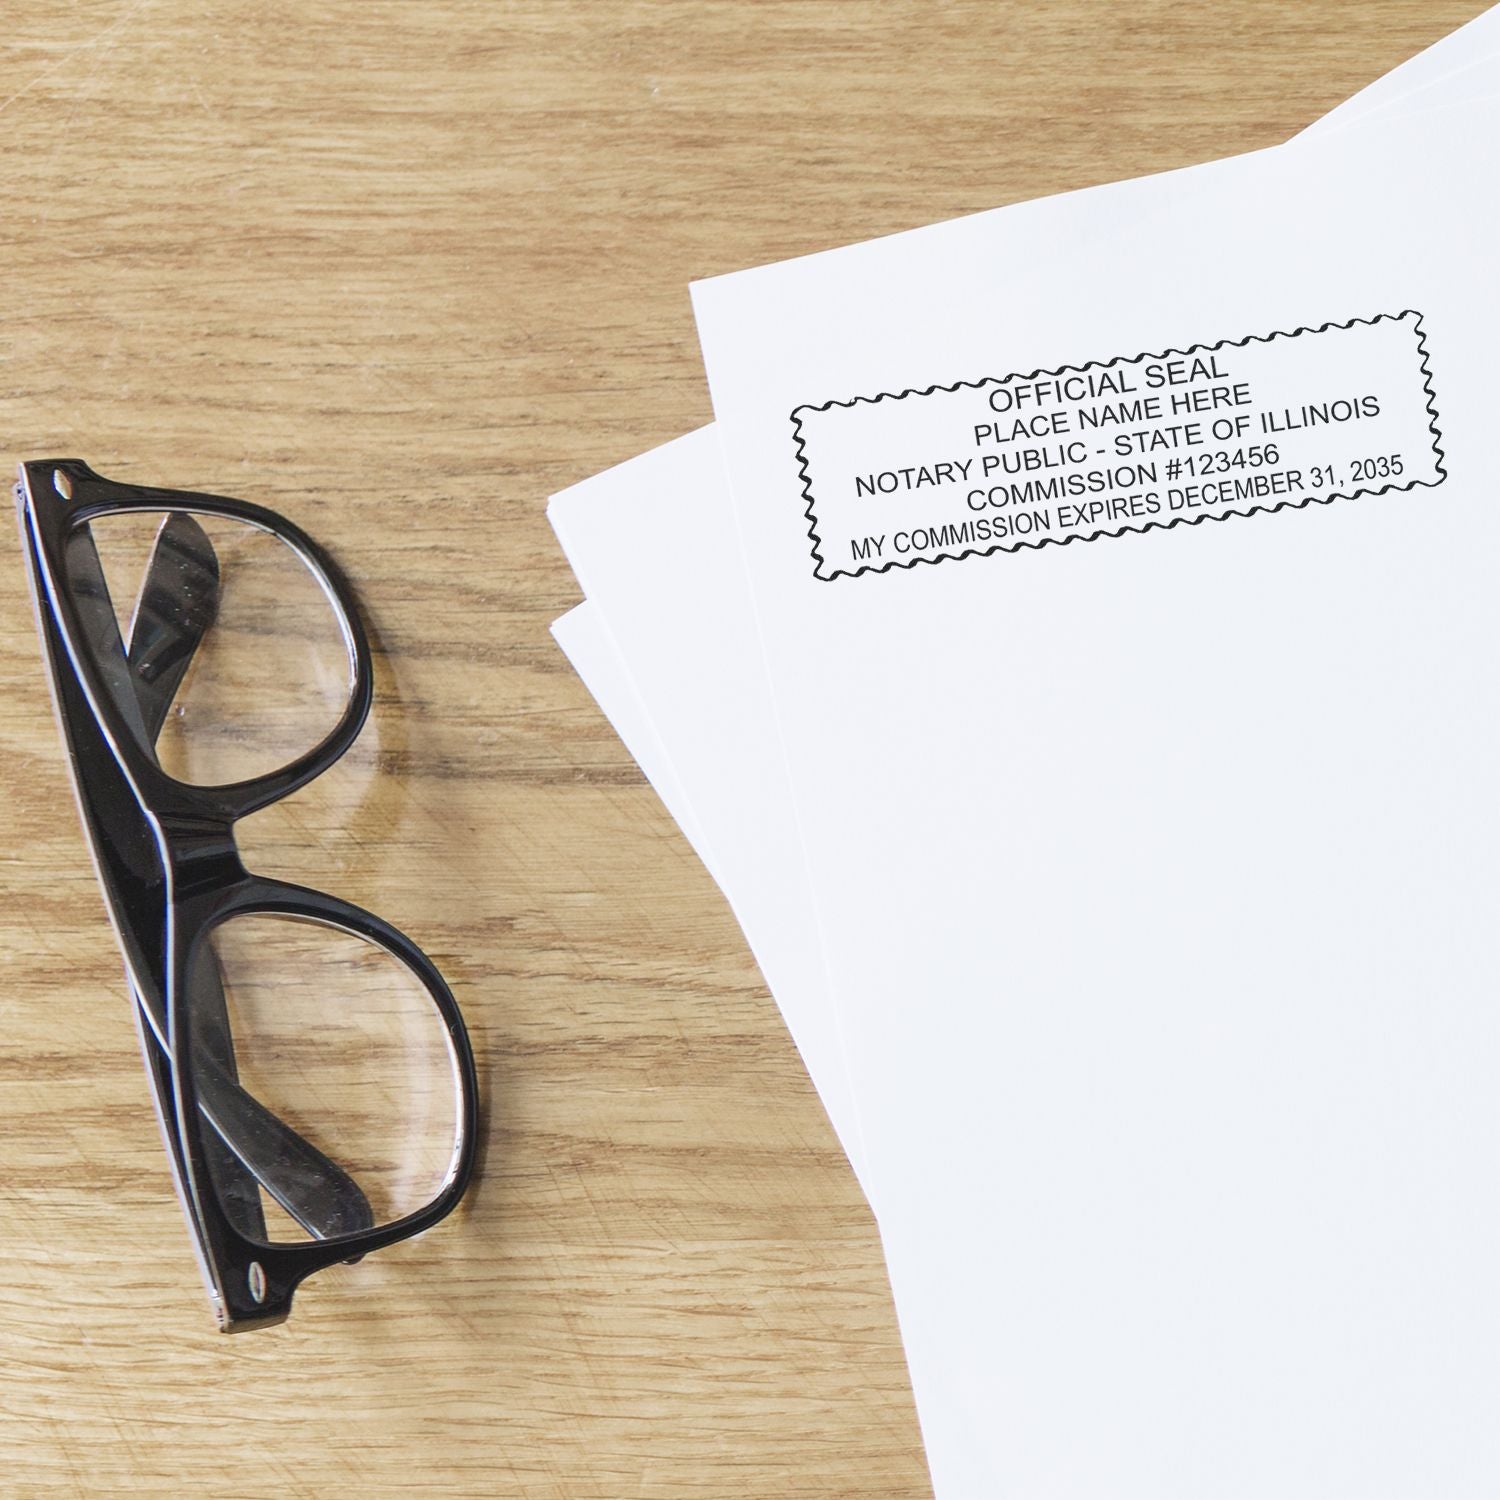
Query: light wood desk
x,y
401,271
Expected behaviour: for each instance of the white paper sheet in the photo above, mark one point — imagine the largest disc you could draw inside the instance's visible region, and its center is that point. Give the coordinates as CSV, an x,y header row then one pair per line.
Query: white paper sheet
x,y
1178,1098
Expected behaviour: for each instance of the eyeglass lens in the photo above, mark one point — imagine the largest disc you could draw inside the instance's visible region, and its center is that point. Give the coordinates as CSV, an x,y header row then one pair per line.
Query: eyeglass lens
x,y
233,621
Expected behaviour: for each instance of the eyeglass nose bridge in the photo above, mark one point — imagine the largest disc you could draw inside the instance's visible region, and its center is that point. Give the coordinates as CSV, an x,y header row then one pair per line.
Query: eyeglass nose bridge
x,y
203,858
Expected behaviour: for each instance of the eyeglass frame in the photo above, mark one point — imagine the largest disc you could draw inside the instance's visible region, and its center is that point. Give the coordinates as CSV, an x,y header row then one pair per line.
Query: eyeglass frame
x,y
204,881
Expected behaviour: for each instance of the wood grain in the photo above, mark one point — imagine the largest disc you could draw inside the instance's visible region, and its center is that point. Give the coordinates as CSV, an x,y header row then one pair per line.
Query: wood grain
x,y
401,271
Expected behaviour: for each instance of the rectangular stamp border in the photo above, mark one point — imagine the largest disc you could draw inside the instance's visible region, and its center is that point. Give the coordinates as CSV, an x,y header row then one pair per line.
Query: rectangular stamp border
x,y
819,562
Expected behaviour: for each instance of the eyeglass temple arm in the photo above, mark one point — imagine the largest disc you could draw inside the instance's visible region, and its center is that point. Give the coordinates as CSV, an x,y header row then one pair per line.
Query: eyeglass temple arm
x,y
178,603
250,1147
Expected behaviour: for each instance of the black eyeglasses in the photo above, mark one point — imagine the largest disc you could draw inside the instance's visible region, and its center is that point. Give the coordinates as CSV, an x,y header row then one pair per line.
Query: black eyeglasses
x,y
313,1079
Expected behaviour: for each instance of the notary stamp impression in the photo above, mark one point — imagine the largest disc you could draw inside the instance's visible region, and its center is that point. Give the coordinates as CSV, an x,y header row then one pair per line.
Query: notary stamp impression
x,y
1150,441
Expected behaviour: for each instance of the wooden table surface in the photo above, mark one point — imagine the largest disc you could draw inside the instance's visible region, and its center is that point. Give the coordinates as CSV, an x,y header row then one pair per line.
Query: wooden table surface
x,y
401,271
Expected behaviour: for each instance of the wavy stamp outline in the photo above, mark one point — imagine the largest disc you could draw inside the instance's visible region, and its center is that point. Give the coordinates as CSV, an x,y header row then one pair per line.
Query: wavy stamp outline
x,y
1290,503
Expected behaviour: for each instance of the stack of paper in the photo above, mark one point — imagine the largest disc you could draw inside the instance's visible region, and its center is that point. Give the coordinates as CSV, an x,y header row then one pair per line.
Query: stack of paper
x,y
1128,882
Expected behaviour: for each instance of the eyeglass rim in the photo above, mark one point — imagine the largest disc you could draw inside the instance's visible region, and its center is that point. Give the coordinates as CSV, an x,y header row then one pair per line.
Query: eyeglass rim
x,y
94,496
230,1254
